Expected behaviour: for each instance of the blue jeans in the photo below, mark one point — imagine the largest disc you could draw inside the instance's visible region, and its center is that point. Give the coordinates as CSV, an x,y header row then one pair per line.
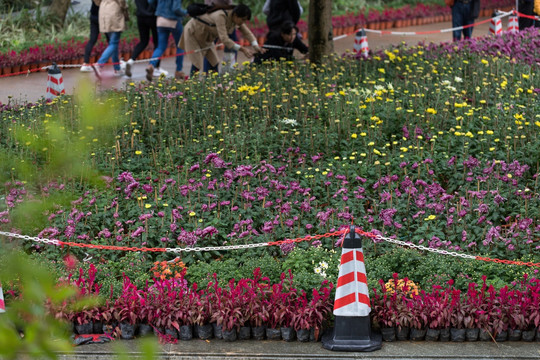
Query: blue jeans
x,y
462,15
111,50
163,42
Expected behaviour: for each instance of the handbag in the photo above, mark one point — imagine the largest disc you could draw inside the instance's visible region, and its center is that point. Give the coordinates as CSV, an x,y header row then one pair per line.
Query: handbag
x,y
449,2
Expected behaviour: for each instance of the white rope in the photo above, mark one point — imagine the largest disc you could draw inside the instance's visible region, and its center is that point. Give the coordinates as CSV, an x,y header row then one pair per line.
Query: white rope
x,y
420,247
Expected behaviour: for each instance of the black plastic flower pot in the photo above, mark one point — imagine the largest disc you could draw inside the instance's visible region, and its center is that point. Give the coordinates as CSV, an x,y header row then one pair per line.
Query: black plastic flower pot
x,y
484,335
402,333
502,336
457,335
186,332
288,334
444,334
145,330
528,335
514,334
417,334
204,332
472,334
172,333
229,335
388,334
97,327
259,331
302,335
433,334
218,331
244,333
127,331
273,334
86,328
537,334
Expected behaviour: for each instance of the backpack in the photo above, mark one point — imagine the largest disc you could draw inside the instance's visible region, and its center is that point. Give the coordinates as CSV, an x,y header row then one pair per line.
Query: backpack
x,y
198,9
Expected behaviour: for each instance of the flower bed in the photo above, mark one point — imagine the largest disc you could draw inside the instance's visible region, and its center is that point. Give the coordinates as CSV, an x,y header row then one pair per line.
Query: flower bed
x,y
72,51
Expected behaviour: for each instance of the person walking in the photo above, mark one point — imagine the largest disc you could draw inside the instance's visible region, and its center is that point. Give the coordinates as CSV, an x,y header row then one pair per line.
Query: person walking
x,y
94,34
169,21
112,21
146,24
464,12
201,31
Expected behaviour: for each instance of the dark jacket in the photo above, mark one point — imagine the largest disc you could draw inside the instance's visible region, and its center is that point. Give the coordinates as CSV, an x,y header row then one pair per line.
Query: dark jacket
x,y
282,11
144,9
274,39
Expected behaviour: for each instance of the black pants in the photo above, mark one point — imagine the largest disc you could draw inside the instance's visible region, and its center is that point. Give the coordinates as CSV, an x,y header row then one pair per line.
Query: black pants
x,y
526,7
94,34
145,24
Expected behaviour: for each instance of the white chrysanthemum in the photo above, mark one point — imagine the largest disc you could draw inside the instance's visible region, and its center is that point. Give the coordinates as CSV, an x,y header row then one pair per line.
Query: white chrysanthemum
x,y
458,79
289,122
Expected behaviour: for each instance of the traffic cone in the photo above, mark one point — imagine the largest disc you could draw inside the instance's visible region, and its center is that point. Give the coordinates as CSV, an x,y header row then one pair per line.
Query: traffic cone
x,y
495,26
513,25
2,304
55,82
352,325
361,43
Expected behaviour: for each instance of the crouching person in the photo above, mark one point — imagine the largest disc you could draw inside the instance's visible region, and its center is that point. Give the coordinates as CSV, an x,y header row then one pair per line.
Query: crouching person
x,y
201,31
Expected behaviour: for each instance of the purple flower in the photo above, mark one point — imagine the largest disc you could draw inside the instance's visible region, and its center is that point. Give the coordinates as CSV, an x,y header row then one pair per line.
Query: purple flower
x,y
137,232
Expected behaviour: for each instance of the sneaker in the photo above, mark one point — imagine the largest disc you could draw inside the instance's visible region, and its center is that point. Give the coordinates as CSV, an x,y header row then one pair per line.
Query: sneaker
x,y
86,68
149,72
122,65
129,63
118,73
158,72
96,68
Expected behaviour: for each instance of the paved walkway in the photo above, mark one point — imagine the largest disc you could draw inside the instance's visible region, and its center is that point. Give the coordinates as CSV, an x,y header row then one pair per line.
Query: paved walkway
x,y
252,349
32,87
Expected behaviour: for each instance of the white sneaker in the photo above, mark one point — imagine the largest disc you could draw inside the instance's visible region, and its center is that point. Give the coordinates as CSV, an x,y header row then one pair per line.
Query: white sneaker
x,y
158,72
119,73
129,63
122,65
86,68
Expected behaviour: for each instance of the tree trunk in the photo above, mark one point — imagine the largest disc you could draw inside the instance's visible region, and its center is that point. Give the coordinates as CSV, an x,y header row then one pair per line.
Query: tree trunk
x,y
320,30
58,11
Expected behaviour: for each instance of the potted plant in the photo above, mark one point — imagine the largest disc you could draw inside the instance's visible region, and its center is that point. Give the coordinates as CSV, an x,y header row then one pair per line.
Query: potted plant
x,y
457,316
419,318
126,309
531,308
384,312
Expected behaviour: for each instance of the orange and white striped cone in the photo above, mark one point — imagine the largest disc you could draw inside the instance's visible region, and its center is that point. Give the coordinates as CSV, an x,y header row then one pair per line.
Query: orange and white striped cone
x,y
352,325
361,43
513,25
55,82
495,26
2,303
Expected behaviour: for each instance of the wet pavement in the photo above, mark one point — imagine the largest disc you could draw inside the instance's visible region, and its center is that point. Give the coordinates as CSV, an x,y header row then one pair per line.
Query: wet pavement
x,y
267,349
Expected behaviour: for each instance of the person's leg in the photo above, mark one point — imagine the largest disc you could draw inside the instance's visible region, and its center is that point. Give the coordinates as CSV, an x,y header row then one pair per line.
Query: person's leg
x,y
115,54
527,8
111,50
177,33
144,36
153,28
468,20
163,41
94,34
457,20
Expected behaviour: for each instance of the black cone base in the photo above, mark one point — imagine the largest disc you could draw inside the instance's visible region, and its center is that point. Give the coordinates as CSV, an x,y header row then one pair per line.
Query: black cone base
x,y
352,334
